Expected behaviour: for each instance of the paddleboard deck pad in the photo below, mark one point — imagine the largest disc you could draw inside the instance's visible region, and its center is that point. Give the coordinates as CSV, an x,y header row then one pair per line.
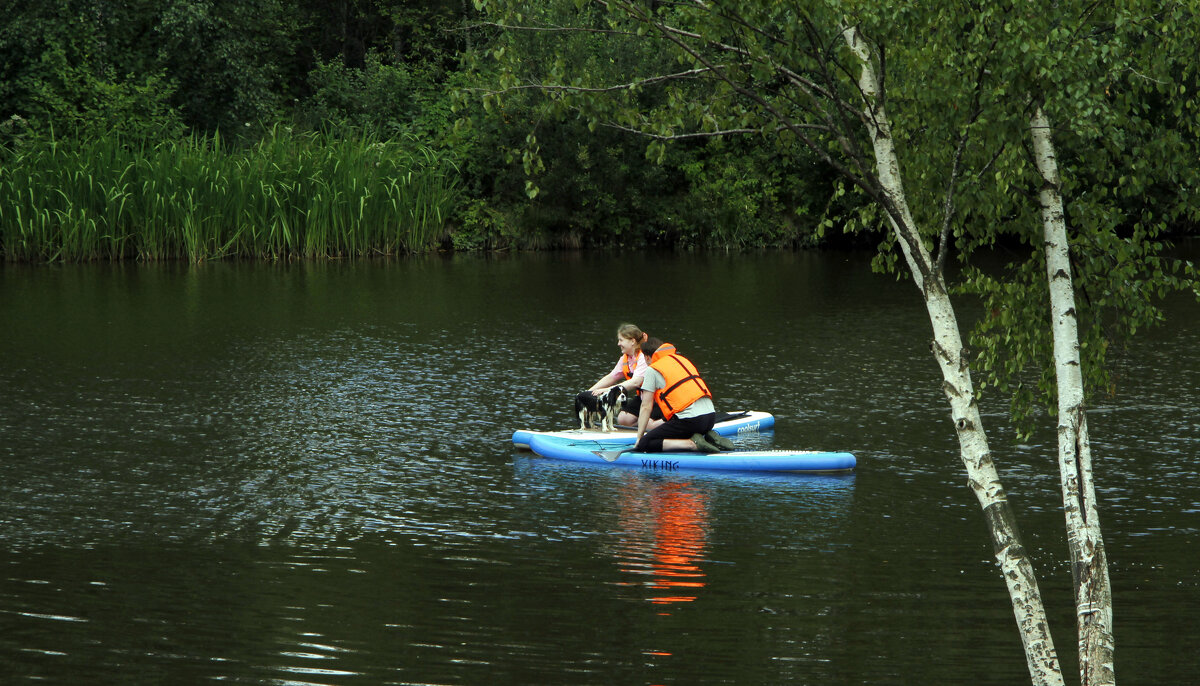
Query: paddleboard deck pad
x,y
729,425
603,452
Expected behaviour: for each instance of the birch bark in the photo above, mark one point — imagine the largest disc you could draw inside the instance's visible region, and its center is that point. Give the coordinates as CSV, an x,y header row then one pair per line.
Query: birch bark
x,y
951,356
1089,565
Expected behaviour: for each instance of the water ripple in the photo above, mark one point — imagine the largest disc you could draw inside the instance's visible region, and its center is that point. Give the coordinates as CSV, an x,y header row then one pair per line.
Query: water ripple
x,y
303,474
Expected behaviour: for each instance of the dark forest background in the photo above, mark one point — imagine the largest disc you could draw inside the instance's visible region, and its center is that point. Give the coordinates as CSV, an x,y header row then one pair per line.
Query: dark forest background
x,y
171,90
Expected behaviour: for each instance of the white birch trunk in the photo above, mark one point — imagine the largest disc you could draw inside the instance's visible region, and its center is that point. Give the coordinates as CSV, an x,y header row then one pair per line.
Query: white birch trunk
x,y
1089,566
951,357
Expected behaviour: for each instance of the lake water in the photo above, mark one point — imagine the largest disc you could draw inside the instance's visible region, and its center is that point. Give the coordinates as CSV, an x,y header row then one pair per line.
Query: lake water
x,y
303,474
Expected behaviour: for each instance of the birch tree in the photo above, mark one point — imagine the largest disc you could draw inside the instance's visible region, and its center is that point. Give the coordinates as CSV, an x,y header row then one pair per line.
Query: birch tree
x,y
951,356
1093,595
822,77
1096,48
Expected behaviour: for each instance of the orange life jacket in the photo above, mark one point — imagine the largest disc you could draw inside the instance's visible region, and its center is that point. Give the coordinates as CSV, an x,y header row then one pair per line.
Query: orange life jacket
x,y
627,368
683,385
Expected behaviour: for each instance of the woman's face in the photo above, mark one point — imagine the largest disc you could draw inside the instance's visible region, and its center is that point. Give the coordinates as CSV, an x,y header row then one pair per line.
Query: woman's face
x,y
628,346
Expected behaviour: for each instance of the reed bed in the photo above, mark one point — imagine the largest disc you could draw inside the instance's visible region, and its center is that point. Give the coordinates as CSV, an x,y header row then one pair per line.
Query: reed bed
x,y
290,195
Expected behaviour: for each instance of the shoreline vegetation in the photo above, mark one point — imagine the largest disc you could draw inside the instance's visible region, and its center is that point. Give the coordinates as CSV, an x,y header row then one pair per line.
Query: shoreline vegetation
x,y
289,195
268,129
343,192
308,195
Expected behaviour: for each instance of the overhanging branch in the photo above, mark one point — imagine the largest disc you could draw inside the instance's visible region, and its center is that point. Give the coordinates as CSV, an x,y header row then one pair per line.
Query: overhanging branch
x,y
650,80
702,134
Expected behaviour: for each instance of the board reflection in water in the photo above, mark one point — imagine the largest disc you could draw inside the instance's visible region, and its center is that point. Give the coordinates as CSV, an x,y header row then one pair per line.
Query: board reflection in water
x,y
664,527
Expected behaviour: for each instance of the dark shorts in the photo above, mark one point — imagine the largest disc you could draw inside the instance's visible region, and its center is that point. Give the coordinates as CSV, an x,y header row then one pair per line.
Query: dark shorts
x,y
634,405
652,442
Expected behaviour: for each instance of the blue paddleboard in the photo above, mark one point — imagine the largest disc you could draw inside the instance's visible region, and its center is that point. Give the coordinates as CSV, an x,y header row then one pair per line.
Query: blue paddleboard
x,y
732,425
603,452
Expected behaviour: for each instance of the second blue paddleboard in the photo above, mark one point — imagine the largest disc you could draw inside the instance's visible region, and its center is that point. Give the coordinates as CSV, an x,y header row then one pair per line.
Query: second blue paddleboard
x,y
730,426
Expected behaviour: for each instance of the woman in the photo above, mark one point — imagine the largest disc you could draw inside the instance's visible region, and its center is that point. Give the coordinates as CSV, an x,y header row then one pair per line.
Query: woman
x,y
674,386
628,372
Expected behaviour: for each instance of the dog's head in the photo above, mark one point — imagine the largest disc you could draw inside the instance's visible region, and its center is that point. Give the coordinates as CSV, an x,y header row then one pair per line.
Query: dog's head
x,y
615,397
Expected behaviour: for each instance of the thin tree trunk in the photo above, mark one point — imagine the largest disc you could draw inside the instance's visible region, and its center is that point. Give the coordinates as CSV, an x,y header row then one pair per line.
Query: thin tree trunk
x,y
951,357
1089,565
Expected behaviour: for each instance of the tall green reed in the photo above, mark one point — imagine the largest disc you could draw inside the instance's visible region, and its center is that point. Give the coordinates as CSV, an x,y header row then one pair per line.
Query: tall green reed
x,y
290,195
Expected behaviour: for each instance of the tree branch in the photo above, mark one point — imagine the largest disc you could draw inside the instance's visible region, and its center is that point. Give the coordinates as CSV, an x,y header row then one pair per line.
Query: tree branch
x,y
547,29
948,209
702,134
689,74
860,179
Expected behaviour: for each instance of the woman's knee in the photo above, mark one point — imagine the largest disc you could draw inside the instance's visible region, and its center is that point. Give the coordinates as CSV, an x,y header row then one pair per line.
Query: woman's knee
x,y
650,444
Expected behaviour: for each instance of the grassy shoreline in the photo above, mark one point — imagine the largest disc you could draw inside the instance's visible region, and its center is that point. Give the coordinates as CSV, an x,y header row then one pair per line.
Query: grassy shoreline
x,y
289,195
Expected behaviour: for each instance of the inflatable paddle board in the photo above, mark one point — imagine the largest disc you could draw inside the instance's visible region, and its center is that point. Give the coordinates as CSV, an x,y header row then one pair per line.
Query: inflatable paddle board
x,y
603,452
729,424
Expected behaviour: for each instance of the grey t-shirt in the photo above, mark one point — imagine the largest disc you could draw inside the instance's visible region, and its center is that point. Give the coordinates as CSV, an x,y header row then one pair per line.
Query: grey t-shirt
x,y
653,381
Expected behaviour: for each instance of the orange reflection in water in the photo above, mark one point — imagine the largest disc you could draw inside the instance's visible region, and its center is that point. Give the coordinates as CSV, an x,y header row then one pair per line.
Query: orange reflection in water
x,y
665,538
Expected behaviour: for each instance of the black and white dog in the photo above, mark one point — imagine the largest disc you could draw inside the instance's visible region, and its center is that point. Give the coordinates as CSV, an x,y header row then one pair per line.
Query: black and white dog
x,y
608,406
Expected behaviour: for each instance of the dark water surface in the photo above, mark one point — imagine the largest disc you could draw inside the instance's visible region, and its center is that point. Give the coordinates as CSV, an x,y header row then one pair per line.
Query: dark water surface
x,y
302,474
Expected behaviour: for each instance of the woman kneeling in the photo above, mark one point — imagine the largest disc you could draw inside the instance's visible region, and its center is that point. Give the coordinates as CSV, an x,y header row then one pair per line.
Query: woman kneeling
x,y
677,390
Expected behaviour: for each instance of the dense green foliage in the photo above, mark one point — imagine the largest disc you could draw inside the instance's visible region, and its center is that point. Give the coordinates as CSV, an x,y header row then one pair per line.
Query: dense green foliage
x,y
290,194
151,73
202,128
1121,91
